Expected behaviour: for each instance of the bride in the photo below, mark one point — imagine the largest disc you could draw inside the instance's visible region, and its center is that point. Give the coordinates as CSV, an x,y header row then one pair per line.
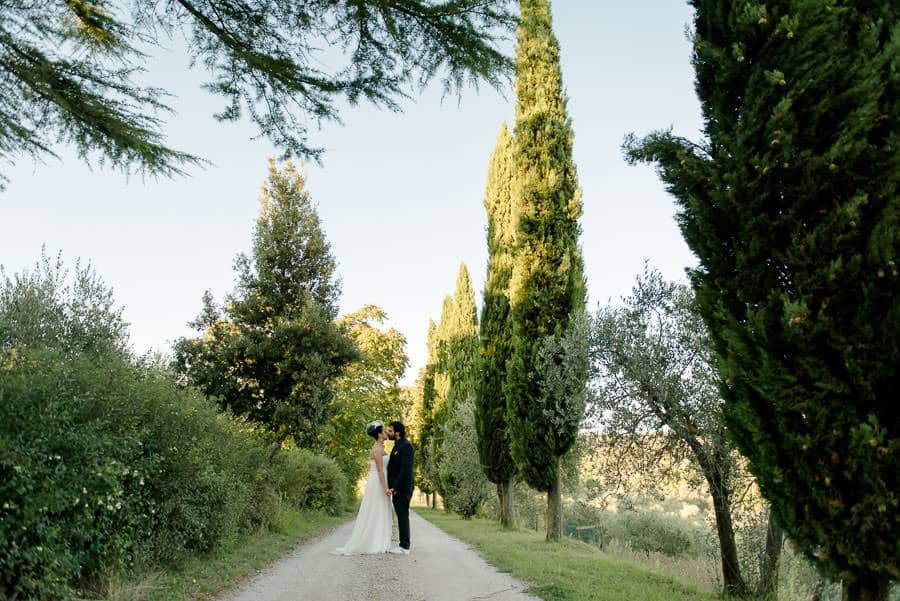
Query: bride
x,y
372,529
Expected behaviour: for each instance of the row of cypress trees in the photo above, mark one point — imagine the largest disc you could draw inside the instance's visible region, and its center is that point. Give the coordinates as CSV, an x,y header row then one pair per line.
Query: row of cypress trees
x,y
525,364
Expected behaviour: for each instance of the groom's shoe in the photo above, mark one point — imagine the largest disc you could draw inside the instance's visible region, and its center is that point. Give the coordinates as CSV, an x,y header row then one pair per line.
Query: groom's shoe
x,y
398,551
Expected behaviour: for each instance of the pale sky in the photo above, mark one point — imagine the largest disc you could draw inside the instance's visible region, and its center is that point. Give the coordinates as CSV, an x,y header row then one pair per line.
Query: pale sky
x,y
400,195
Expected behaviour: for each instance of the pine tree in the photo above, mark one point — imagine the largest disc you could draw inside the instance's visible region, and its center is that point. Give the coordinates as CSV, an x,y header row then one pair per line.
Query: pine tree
x,y
273,353
547,290
496,328
792,206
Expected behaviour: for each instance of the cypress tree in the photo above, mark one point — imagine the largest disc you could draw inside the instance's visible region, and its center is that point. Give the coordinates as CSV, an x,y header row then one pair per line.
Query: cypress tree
x,y
441,389
792,206
441,356
462,341
547,287
425,464
496,329
457,336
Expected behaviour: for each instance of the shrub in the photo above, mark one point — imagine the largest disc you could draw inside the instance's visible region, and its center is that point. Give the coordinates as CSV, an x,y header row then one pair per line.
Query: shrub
x,y
587,523
464,482
649,532
310,481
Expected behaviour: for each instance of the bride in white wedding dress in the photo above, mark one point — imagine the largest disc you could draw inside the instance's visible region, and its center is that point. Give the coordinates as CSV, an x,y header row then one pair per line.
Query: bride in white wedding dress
x,y
372,529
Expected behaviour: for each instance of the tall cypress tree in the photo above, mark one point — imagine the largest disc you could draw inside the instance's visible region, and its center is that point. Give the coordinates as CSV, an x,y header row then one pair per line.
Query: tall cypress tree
x,y
793,208
458,351
496,328
441,356
425,464
547,287
462,341
441,388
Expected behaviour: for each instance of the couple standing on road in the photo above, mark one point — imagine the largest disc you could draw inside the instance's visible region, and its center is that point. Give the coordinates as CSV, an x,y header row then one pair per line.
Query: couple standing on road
x,y
390,482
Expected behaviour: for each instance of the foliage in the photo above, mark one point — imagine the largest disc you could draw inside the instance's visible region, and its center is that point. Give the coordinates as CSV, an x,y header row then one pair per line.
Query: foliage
x,y
309,481
368,389
426,476
455,363
273,353
547,289
651,533
657,375
458,343
496,327
455,348
49,306
104,463
460,471
562,368
68,69
791,205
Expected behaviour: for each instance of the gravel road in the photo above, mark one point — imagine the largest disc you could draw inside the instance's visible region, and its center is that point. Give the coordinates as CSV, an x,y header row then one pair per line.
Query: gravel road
x,y
440,568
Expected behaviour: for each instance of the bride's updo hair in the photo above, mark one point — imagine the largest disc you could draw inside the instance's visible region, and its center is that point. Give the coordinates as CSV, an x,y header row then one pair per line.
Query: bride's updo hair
x,y
374,429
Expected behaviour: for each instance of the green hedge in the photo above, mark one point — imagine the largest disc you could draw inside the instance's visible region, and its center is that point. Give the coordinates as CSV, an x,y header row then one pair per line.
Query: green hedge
x,y
105,464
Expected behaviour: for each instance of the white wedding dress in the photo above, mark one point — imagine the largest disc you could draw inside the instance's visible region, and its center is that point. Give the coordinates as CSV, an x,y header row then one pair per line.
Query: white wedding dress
x,y
372,529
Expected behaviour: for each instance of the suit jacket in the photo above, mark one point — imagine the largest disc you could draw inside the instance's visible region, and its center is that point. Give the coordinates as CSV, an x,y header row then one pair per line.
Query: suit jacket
x,y
400,468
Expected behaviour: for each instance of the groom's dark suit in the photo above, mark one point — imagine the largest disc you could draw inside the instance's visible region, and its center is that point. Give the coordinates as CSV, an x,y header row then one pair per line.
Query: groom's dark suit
x,y
400,478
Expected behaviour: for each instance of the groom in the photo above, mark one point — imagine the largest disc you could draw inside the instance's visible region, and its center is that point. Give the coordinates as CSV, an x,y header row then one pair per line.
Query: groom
x,y
400,481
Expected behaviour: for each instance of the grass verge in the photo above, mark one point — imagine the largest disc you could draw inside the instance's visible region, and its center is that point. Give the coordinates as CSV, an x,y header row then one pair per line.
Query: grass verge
x,y
205,576
565,571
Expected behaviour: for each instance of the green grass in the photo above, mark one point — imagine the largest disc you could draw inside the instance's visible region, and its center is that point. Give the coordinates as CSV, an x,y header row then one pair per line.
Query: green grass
x,y
203,576
565,571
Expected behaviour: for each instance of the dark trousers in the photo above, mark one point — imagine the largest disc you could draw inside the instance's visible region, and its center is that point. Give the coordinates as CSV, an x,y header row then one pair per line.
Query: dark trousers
x,y
401,506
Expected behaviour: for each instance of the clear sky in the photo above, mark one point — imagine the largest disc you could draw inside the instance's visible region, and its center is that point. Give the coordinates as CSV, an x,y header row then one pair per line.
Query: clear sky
x,y
400,195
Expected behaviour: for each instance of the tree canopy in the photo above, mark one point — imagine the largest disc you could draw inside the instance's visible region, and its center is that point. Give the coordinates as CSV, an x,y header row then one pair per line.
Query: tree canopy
x,y
273,352
69,71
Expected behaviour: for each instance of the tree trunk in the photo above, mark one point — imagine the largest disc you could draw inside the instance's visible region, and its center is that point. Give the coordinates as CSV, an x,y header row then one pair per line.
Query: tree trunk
x,y
554,506
867,587
768,569
505,494
731,569
434,500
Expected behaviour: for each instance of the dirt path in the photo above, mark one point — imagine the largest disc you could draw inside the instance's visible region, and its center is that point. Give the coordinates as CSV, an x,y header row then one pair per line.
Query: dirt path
x,y
440,568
